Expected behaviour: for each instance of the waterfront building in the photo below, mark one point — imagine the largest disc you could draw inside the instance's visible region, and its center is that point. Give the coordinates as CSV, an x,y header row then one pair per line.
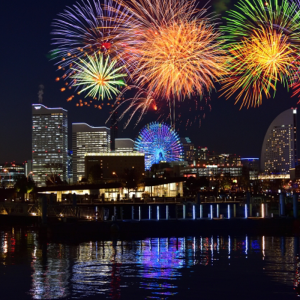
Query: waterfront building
x,y
114,164
49,143
87,139
189,150
212,171
252,166
279,149
124,145
110,191
201,155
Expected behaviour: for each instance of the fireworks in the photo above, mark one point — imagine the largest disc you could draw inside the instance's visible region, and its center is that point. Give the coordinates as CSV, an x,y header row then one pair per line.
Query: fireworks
x,y
87,28
257,64
179,51
159,142
180,59
263,46
141,102
98,77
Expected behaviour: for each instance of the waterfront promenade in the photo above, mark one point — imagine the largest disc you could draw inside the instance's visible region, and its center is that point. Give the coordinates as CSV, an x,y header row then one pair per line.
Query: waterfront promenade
x,y
94,218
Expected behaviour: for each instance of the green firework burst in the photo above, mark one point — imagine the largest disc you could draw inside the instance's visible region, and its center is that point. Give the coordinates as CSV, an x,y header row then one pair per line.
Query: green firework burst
x,y
97,76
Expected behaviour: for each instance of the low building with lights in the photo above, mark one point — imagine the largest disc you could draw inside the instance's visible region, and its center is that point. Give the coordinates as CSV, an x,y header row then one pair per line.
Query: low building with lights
x,y
10,173
113,164
113,190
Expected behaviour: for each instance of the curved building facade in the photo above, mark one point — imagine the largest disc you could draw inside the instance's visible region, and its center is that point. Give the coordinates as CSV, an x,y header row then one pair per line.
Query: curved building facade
x,y
279,150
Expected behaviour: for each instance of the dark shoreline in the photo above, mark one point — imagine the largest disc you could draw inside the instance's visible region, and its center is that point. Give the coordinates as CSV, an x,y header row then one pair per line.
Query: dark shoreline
x,y
77,231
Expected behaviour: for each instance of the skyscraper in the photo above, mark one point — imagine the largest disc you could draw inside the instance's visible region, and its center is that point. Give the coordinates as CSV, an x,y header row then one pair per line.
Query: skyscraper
x,y
87,139
189,151
279,150
49,142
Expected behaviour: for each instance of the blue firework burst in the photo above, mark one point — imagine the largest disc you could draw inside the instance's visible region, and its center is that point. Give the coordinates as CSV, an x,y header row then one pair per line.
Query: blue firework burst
x,y
159,142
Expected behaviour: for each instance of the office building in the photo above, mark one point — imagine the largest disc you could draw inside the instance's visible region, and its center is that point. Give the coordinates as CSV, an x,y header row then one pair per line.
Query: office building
x,y
49,142
279,150
189,151
87,139
124,145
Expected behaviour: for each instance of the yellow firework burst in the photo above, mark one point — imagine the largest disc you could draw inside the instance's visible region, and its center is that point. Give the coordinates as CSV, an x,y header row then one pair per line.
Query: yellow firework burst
x,y
257,64
180,59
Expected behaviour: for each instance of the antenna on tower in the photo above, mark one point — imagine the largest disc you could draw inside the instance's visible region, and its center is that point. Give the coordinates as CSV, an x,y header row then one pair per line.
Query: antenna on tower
x,y
40,93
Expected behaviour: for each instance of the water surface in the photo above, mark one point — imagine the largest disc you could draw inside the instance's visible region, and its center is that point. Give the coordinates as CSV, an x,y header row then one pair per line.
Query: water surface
x,y
191,267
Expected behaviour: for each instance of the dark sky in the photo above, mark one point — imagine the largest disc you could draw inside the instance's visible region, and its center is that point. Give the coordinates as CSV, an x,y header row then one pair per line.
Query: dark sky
x,y
25,45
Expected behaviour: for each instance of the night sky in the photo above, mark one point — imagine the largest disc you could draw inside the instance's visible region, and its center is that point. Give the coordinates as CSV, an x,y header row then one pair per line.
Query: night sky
x,y
25,64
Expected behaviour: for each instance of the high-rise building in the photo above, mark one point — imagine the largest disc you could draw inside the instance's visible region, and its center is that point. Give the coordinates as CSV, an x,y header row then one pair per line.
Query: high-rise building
x,y
189,151
87,139
279,150
124,145
49,142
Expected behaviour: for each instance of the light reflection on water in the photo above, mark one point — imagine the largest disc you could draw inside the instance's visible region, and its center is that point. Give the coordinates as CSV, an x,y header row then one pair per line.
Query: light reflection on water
x,y
159,268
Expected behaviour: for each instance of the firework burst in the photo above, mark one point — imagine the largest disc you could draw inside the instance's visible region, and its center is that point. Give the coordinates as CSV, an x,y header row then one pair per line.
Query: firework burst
x,y
180,59
97,77
87,28
263,43
257,65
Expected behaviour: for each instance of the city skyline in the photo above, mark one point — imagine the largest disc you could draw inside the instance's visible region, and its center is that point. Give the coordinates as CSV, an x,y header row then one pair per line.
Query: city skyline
x,y
225,129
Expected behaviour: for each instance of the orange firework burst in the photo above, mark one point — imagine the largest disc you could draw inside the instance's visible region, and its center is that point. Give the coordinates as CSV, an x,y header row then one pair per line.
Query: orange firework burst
x,y
257,64
180,59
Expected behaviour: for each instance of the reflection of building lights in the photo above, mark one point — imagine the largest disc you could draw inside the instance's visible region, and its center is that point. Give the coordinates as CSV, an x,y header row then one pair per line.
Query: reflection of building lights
x,y
262,210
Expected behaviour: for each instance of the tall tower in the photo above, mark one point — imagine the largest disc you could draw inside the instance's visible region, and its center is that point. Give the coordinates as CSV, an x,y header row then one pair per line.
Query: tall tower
x,y
87,139
279,150
49,142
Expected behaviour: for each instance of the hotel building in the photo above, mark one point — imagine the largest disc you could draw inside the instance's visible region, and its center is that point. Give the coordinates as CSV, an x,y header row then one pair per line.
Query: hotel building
x,y
87,139
279,150
49,142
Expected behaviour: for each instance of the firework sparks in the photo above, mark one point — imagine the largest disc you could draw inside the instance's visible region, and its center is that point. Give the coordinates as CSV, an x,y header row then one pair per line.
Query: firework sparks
x,y
180,59
257,64
98,77
178,50
137,105
263,43
87,28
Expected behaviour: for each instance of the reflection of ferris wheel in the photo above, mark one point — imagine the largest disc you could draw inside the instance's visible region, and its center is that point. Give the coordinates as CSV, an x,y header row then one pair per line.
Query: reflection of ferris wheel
x,y
159,142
